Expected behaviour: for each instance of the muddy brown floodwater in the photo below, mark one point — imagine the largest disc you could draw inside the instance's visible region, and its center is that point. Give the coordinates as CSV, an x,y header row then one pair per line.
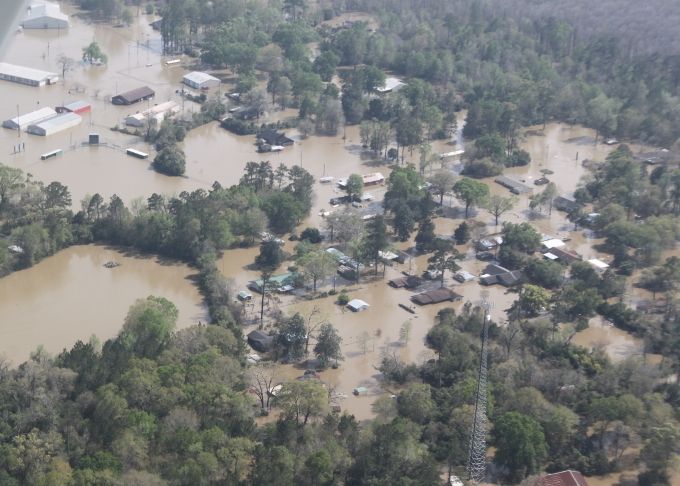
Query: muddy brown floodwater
x,y
72,296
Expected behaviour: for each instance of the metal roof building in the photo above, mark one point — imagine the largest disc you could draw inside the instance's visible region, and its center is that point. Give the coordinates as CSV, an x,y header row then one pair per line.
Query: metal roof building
x,y
45,15
199,80
133,96
55,124
23,121
155,114
25,75
75,107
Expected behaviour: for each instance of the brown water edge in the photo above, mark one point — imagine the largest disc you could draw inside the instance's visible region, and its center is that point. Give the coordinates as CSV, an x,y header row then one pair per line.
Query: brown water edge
x,y
71,296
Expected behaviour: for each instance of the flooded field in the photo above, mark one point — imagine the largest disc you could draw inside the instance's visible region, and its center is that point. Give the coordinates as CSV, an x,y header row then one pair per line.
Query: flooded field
x,y
72,296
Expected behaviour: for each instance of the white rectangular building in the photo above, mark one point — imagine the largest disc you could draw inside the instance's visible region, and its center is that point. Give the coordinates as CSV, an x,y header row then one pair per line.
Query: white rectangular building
x,y
25,75
45,15
54,125
23,121
155,114
199,80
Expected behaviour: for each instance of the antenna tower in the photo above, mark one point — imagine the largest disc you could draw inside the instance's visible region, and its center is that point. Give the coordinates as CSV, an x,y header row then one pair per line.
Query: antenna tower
x,y
476,463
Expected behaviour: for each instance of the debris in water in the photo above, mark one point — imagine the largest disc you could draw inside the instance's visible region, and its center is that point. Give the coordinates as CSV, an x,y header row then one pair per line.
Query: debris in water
x,y
111,264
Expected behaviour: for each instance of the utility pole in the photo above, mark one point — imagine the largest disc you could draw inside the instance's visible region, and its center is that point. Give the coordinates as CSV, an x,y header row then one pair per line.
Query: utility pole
x,y
476,463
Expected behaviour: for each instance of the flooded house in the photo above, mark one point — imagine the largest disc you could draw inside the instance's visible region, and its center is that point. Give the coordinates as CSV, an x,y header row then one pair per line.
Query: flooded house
x,y
78,107
562,255
45,15
260,341
279,283
406,282
133,96
515,187
271,137
153,115
357,305
372,179
436,296
26,75
565,204
495,274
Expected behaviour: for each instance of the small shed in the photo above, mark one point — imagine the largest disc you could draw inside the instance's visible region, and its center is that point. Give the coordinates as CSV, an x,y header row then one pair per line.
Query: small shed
x,y
199,80
552,243
598,264
260,341
133,96
357,305
565,255
436,296
391,84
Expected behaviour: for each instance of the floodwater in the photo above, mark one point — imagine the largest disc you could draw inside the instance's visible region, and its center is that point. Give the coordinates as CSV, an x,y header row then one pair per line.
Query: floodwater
x,y
53,288
71,296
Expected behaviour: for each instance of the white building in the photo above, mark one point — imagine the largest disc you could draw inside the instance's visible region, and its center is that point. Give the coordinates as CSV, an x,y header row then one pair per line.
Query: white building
x,y
54,125
45,15
199,80
391,84
155,114
23,121
357,305
24,75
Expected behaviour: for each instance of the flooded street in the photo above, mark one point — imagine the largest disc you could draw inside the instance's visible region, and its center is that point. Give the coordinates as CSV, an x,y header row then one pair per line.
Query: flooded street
x,y
72,296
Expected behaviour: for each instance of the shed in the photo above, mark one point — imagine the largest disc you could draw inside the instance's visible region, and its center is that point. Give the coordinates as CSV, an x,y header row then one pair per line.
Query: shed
x,y
23,121
77,107
552,243
407,282
199,80
54,125
514,186
565,256
598,265
357,305
45,15
25,75
463,276
133,96
260,341
566,204
436,296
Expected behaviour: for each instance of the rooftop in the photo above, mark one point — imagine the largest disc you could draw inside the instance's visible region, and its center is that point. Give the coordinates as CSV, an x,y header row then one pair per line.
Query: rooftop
x,y
199,77
45,9
16,71
563,478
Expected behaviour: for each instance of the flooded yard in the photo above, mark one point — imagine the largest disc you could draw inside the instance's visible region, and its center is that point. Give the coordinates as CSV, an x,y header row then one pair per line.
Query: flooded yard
x,y
72,296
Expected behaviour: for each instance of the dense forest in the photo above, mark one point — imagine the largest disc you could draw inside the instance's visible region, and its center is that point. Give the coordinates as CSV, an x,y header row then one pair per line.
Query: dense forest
x,y
156,406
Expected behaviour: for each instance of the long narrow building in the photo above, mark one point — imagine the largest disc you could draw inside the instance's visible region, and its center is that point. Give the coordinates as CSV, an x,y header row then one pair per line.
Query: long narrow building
x,y
23,121
26,75
54,125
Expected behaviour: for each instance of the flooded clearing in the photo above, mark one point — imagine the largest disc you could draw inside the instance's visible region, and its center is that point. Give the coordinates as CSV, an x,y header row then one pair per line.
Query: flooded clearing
x,y
72,296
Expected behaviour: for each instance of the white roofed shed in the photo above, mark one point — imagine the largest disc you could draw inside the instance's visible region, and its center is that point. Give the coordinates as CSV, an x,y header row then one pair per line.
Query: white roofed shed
x,y
199,80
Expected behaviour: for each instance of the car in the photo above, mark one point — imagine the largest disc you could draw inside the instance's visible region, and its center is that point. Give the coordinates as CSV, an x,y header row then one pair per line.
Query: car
x,y
542,181
485,256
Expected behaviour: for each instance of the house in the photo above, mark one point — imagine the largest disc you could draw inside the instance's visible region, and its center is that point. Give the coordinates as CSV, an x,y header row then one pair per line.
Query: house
x,y
564,255
260,341
357,305
371,179
495,274
54,125
462,276
279,283
487,244
551,243
563,478
565,204
24,75
77,107
133,96
199,80
514,186
408,282
272,137
154,115
23,121
45,15
436,296
391,84
245,113
598,265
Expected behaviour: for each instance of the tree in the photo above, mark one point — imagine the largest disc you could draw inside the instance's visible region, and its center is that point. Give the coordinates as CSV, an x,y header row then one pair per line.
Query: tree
x,y
544,198
441,182
11,180
532,300
328,344
270,256
66,64
498,205
354,186
520,445
375,240
93,53
302,400
291,337
545,273
462,233
262,380
149,326
317,265
416,404
444,258
471,192
170,161
345,225
425,238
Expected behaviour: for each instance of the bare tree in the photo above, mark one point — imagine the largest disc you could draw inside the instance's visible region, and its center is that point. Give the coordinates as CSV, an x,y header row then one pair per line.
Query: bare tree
x,y
262,378
66,64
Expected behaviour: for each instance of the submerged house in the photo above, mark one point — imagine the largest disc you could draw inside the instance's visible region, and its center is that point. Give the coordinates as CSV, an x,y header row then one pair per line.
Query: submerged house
x,y
199,80
407,282
260,341
133,96
26,75
278,283
54,125
271,137
436,296
495,274
45,15
357,305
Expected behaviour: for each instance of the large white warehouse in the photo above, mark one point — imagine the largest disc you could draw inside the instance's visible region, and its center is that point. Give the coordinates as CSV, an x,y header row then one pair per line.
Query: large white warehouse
x,y
25,75
199,80
55,124
45,15
23,121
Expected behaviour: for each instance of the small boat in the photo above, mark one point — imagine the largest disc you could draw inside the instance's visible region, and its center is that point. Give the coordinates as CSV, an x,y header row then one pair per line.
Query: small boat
x,y
326,179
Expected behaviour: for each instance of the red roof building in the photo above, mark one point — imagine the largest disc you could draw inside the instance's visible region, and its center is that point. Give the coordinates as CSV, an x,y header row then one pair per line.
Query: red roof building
x,y
564,478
